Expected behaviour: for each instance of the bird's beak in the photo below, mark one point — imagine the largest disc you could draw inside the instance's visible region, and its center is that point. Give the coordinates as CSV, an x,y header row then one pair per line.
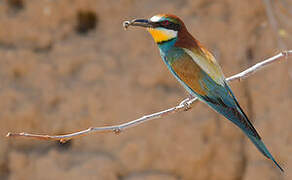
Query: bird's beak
x,y
139,22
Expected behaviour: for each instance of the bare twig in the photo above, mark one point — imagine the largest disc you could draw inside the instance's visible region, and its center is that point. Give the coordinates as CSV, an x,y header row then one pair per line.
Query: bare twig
x,y
184,105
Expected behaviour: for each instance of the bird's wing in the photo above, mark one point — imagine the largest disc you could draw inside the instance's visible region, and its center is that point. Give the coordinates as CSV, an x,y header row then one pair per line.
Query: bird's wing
x,y
207,63
203,81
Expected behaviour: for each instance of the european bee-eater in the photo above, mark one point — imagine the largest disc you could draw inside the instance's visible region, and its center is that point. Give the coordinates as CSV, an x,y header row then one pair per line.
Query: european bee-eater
x,y
198,71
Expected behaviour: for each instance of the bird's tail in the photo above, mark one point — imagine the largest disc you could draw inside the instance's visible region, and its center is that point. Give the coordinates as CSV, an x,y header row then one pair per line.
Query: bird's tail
x,y
256,139
261,147
237,116
228,106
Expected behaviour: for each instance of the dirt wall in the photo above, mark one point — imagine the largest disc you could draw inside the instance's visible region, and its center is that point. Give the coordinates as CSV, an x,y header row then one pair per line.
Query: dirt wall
x,y
69,65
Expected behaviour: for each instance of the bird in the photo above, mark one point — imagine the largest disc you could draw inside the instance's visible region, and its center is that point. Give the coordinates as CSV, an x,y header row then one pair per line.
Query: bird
x,y
198,72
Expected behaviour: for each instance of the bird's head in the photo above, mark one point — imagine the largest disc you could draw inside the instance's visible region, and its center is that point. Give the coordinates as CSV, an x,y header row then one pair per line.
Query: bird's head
x,y
162,27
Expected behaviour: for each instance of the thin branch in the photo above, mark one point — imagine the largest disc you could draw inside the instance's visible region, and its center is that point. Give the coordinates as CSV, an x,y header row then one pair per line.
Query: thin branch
x,y
183,106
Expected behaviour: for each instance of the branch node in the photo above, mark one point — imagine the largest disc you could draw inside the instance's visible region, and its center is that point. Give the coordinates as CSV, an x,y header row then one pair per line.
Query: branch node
x,y
117,131
8,134
286,54
62,141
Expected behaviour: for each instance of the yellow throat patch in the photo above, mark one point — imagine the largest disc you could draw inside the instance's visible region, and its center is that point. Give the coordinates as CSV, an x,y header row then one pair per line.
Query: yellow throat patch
x,y
160,35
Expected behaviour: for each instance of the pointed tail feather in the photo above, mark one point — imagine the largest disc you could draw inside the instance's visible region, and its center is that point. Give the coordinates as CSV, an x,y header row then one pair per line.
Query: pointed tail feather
x,y
221,99
277,164
261,147
238,117
256,139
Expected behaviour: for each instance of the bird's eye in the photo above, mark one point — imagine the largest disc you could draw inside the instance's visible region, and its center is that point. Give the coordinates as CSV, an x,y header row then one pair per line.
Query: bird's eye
x,y
165,23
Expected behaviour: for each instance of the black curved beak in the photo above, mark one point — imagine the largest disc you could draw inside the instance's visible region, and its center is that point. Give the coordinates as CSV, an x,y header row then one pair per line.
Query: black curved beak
x,y
139,22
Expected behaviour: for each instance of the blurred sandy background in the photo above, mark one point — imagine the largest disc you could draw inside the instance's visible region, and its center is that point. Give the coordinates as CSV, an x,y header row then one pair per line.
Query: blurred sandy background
x,y
66,65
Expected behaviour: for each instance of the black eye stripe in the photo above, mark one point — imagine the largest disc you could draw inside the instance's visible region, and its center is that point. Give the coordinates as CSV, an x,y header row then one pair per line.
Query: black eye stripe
x,y
169,25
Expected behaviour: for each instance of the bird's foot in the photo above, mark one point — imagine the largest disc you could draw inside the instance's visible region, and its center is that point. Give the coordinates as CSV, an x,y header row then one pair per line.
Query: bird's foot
x,y
186,104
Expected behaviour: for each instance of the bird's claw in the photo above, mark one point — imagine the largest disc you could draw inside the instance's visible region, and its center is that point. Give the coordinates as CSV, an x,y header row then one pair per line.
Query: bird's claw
x,y
186,104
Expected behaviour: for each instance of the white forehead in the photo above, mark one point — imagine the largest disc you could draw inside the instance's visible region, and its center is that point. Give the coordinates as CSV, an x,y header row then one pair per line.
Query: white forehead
x,y
155,18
